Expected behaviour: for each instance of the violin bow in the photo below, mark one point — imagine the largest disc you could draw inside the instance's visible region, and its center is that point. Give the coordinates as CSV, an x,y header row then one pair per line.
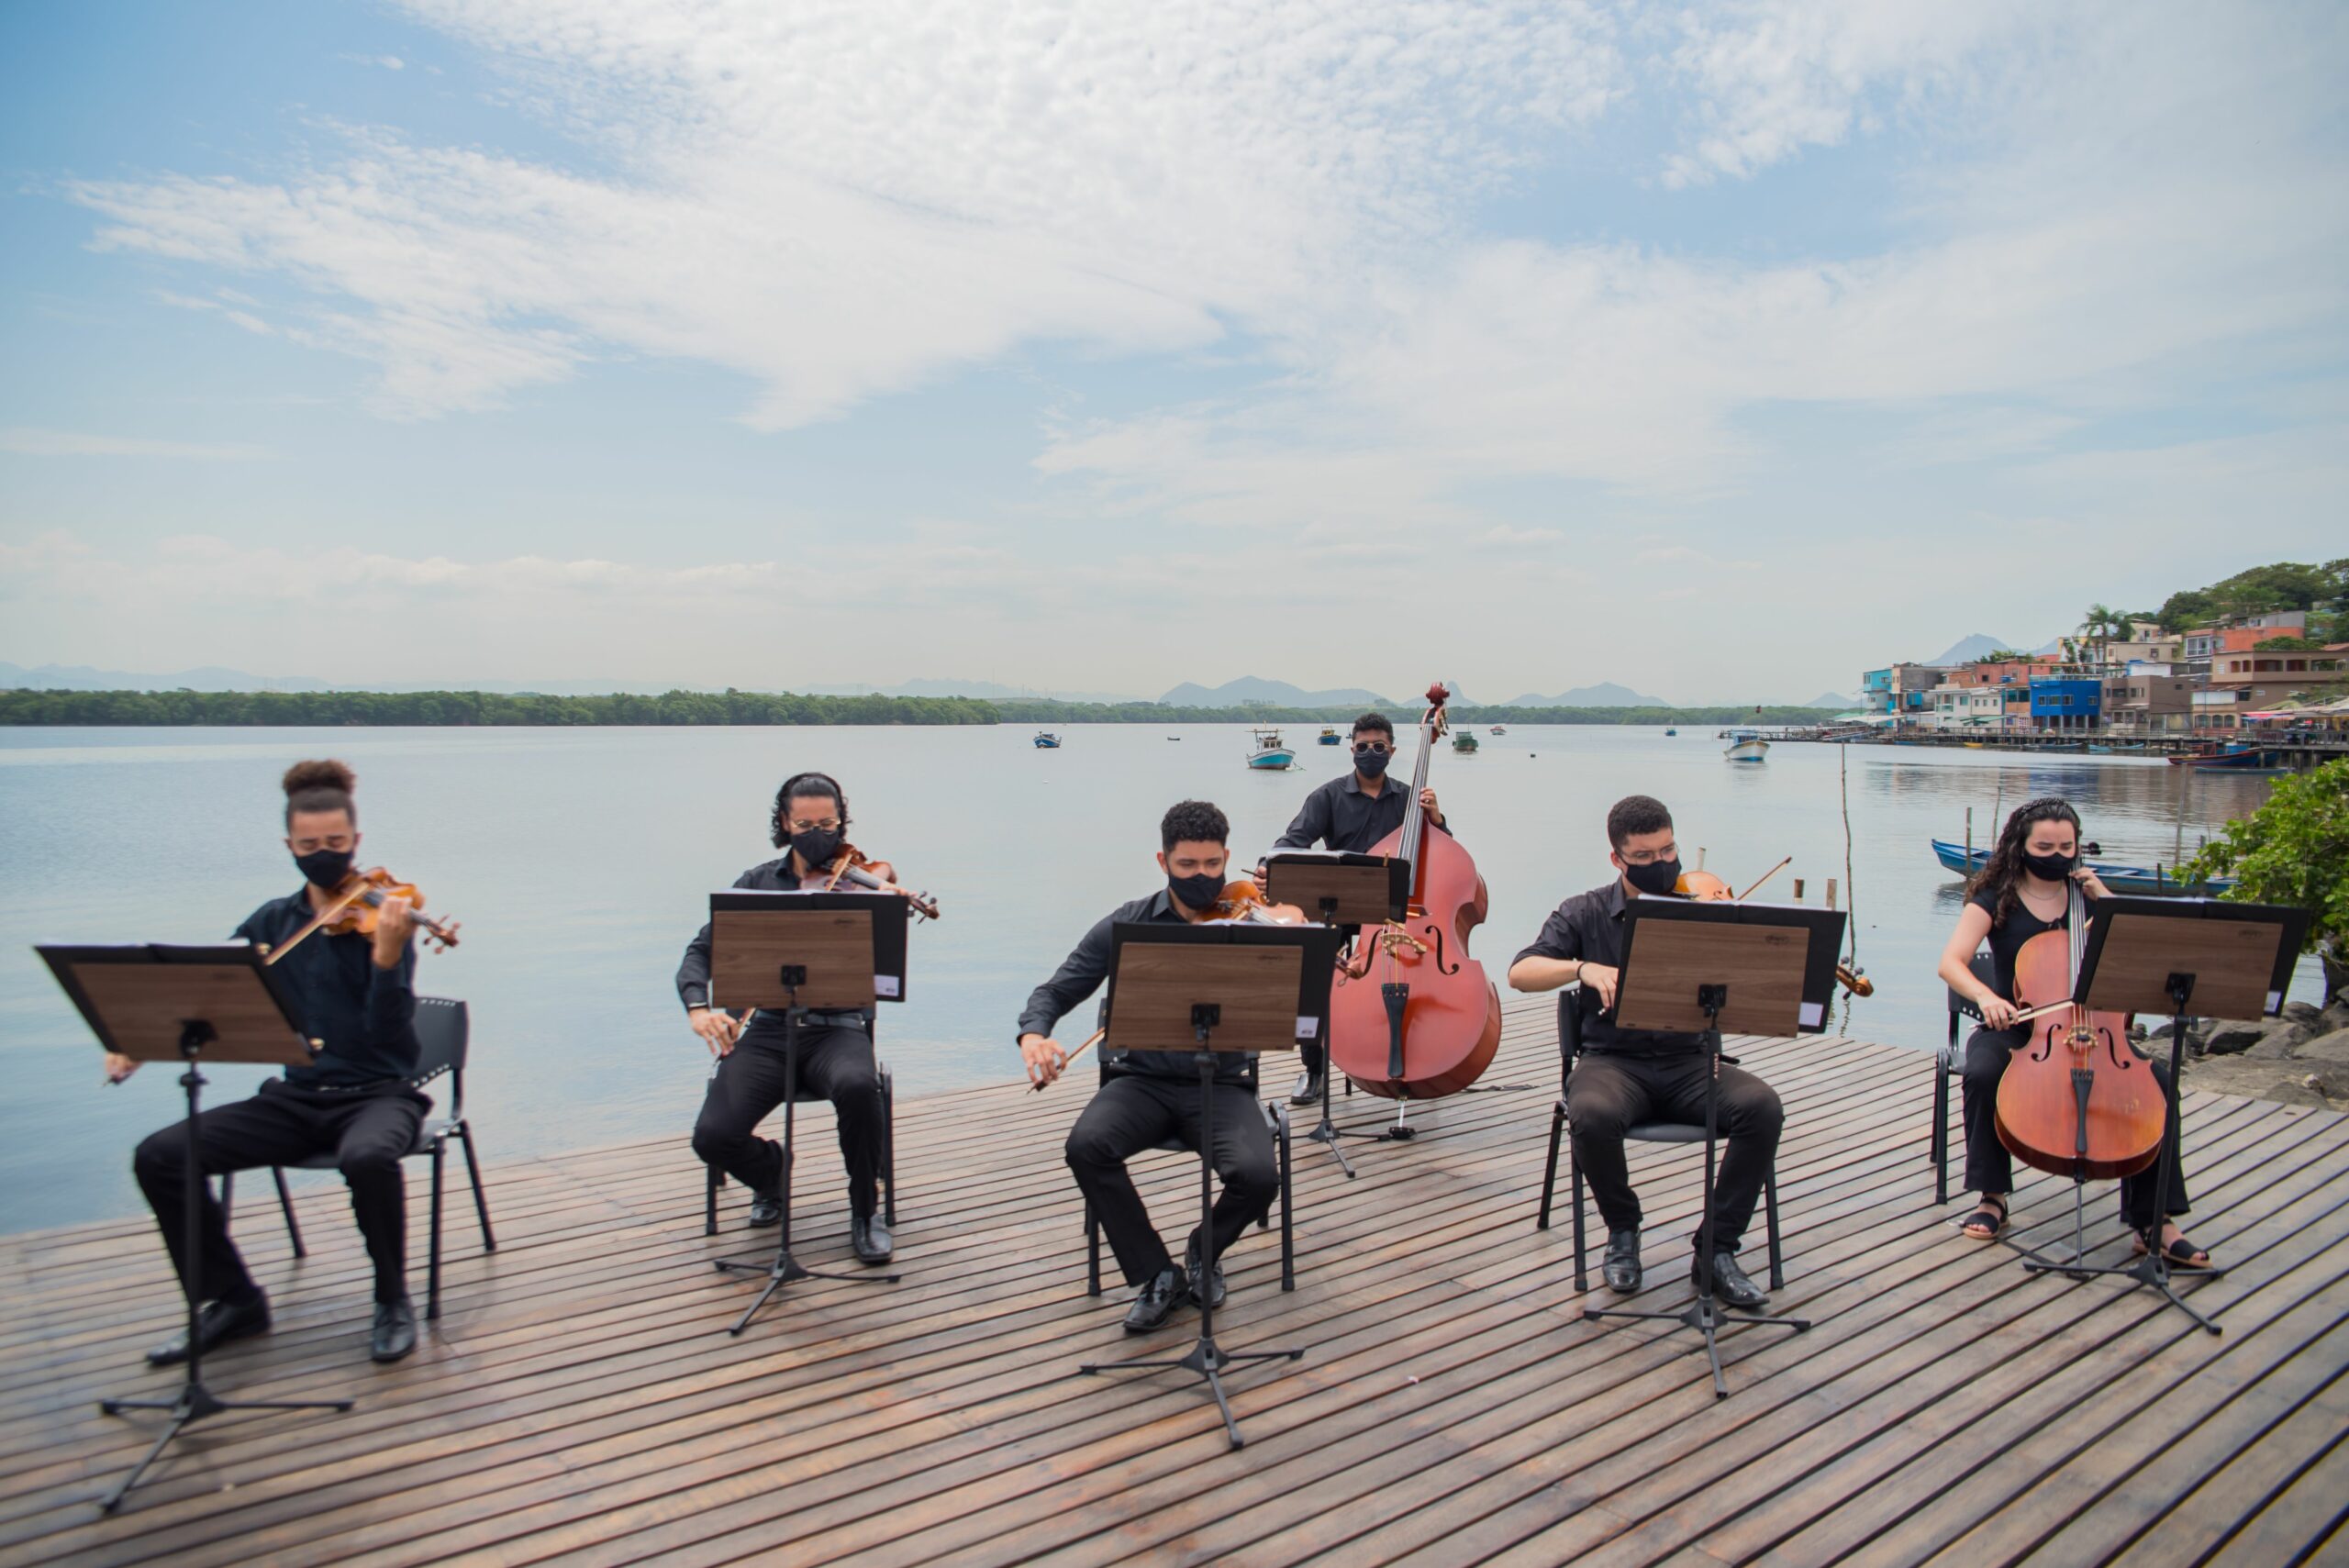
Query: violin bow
x,y
1763,878
329,913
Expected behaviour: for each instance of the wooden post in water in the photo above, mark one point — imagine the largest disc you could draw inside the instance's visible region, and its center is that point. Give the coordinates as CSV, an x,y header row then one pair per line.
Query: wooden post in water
x,y
1830,892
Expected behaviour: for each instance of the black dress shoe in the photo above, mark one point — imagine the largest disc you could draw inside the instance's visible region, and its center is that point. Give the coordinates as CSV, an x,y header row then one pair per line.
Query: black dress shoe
x,y
1161,1295
1308,1089
766,1208
1730,1282
1621,1269
868,1237
218,1322
395,1335
1215,1279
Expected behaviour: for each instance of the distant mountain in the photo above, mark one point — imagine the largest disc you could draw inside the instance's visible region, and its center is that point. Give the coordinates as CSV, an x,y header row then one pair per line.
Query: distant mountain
x,y
989,690
1828,699
1607,693
1967,650
1279,694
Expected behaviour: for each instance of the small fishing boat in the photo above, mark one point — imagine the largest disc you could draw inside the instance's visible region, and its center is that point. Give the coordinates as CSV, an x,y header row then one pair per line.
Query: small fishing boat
x,y
2235,760
1671,732
1500,728
1464,742
1329,737
2155,878
1173,738
1269,752
1047,741
1746,745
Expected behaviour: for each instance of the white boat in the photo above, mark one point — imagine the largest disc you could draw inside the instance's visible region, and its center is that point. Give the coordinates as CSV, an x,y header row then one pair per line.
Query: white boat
x,y
1746,745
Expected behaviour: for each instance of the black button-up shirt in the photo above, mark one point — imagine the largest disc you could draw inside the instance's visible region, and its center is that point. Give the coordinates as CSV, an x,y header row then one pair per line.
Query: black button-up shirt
x,y
1339,815
693,972
365,1016
1588,927
1082,972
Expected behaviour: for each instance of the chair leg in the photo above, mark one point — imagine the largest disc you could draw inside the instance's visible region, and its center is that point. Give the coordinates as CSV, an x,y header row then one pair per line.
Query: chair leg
x,y
285,1206
1092,1252
1770,1222
716,1179
1550,1172
432,1266
481,1199
227,1198
1574,1181
888,1149
1941,1135
1288,1234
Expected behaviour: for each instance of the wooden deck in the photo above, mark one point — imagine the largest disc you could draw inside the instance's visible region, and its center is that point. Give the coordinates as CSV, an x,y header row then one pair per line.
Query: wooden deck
x,y
579,1401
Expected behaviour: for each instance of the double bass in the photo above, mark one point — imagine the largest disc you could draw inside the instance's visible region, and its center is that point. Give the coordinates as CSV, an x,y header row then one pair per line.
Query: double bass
x,y
1415,1017
2075,1100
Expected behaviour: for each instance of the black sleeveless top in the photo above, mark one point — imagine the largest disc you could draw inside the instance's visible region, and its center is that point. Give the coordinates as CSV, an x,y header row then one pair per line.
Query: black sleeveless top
x,y
2006,941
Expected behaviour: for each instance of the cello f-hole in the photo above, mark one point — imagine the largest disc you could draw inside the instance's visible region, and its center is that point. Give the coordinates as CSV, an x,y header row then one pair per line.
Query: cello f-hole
x,y
1435,934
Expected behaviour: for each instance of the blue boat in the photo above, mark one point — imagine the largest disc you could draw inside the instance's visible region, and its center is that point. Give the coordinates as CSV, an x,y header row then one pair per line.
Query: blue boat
x,y
2120,878
1329,737
1047,741
1270,753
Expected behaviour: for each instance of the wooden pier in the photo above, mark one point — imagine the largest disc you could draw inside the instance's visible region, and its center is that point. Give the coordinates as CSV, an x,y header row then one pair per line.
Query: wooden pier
x,y
580,1402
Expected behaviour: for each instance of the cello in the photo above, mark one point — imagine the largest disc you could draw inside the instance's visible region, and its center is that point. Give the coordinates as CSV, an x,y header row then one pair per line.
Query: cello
x,y
1414,1018
2074,1100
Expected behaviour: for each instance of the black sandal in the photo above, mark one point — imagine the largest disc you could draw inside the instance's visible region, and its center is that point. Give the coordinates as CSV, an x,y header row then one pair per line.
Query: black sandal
x,y
2179,1255
1994,1205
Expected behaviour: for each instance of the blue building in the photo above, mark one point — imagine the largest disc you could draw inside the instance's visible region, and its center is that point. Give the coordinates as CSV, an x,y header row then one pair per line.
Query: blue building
x,y
2066,702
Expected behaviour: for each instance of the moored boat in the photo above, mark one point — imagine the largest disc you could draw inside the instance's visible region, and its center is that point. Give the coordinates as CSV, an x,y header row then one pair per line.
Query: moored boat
x,y
1329,737
1464,743
1746,745
1269,752
2155,878
1047,741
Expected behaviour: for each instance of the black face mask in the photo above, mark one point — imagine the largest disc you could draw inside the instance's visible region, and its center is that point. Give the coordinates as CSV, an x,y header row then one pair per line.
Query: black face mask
x,y
2054,868
1199,893
1371,764
325,868
817,847
1655,878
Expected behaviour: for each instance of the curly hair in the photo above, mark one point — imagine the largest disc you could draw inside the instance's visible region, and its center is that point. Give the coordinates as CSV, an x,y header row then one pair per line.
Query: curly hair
x,y
1634,814
2005,867
1193,822
322,786
802,787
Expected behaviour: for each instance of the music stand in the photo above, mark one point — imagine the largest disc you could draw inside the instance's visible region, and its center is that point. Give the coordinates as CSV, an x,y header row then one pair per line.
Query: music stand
x,y
1768,969
2153,956
1208,989
189,1005
1347,890
797,953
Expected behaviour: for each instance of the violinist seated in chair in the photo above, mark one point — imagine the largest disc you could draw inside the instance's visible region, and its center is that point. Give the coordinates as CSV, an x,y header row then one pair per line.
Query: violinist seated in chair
x,y
2023,891
1148,1095
836,1057
355,993
1628,1076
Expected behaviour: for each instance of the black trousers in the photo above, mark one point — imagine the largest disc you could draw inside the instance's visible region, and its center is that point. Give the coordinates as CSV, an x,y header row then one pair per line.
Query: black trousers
x,y
1131,1113
1608,1094
1315,1057
835,1064
1990,1168
367,1131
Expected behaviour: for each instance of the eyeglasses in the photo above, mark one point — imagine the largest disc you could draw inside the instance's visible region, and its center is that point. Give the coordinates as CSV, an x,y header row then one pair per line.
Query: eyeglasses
x,y
1649,857
1372,748
829,825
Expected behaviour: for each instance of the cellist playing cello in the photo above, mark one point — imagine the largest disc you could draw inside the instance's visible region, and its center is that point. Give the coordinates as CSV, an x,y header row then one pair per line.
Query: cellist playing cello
x,y
2024,891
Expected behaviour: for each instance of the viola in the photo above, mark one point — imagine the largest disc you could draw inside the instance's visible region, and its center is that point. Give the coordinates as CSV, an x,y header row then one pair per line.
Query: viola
x,y
1415,1017
851,865
357,904
2075,1100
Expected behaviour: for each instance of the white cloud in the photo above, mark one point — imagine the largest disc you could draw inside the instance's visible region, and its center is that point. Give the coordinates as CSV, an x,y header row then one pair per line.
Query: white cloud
x,y
27,441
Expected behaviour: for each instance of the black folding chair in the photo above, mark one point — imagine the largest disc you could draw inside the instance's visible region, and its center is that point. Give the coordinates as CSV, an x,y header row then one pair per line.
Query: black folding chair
x,y
442,1030
888,1174
1277,1117
1570,1047
1949,1063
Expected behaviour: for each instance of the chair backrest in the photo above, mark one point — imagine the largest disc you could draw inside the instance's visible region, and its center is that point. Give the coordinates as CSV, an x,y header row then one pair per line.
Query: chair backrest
x,y
1569,1030
1960,1005
442,1029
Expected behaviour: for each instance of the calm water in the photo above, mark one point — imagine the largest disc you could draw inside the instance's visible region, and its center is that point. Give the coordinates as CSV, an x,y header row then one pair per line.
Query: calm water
x,y
580,861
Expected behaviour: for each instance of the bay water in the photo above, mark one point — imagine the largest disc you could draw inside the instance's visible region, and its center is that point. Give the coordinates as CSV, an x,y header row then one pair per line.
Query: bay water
x,y
581,861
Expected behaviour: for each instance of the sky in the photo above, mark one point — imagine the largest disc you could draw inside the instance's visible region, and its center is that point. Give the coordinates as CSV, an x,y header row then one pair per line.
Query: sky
x,y
1723,350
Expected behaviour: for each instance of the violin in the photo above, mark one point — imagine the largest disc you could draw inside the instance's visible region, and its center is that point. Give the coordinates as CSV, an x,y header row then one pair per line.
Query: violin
x,y
851,864
357,904
2075,1100
1706,888
1414,1018
1240,900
